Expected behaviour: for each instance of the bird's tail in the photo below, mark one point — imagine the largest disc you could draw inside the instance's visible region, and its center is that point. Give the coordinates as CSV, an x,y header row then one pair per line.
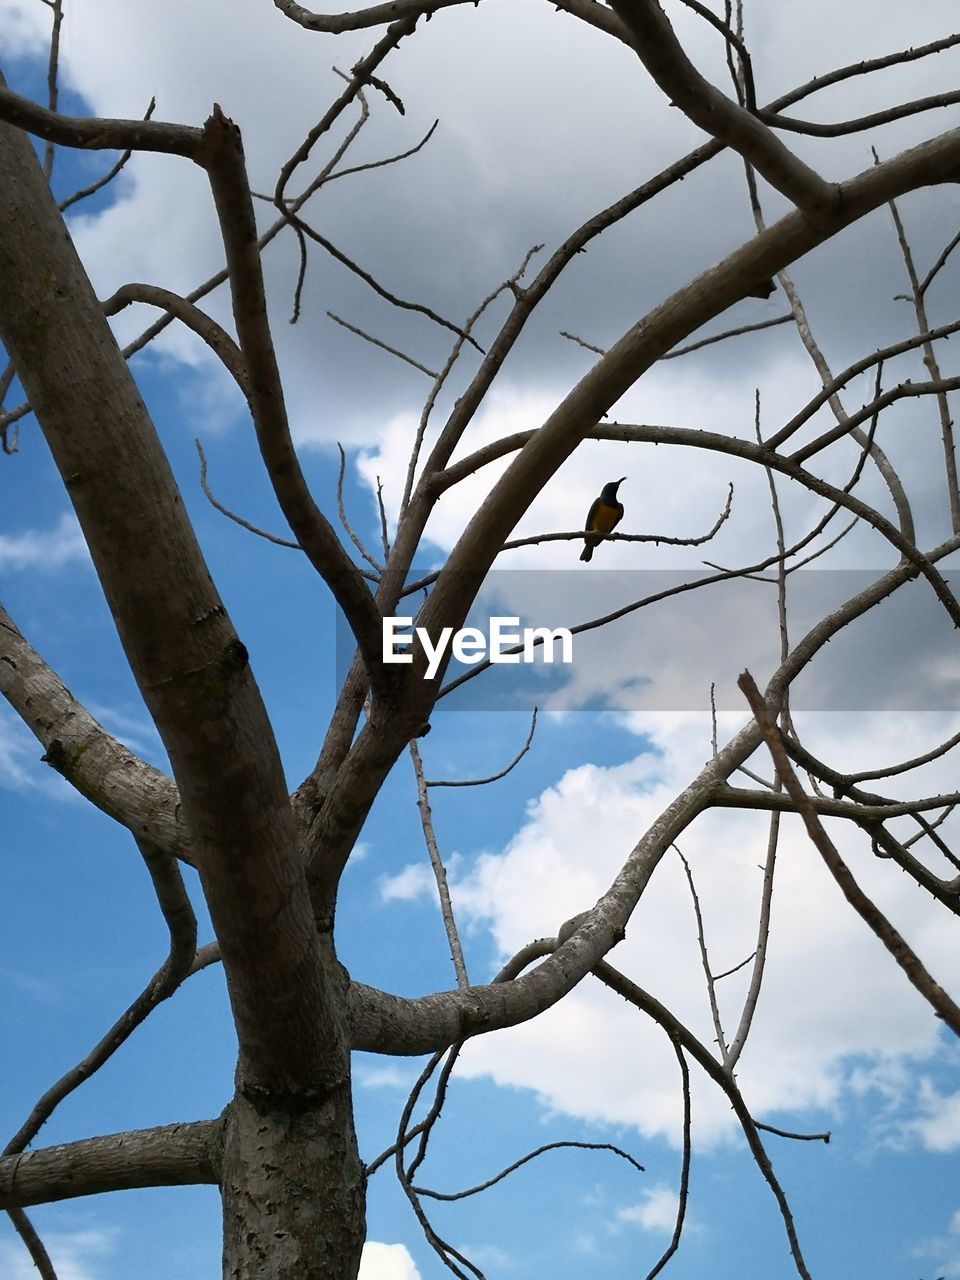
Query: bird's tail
x,y
587,552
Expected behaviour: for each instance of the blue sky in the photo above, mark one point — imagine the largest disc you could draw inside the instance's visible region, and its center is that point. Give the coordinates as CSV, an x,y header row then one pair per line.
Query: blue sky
x,y
841,1043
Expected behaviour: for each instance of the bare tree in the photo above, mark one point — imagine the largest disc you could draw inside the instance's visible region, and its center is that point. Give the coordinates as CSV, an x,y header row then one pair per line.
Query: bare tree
x,y
270,863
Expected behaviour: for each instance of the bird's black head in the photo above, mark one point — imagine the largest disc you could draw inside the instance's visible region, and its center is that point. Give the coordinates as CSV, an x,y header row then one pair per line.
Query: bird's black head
x,y
609,494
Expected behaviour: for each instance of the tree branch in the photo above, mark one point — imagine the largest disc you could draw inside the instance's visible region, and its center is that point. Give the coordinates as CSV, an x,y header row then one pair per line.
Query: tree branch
x,y
97,133
102,769
224,159
664,58
894,942
171,1156
204,326
189,663
182,926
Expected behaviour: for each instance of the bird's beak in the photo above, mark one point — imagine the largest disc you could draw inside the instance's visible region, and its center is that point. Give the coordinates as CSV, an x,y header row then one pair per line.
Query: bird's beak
x,y
621,480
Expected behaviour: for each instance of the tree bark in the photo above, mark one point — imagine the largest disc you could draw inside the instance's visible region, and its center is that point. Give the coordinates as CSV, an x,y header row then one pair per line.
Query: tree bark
x,y
291,1140
174,1155
294,1191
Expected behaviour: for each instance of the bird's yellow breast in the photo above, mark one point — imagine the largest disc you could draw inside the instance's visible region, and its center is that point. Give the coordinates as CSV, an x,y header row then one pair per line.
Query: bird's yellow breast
x,y
604,518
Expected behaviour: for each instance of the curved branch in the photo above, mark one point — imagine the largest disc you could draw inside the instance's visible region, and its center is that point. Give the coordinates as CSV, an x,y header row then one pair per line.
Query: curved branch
x,y
204,326
637,350
102,769
879,810
232,515
595,15
674,1244
385,1023
182,926
661,53
904,766
341,510
649,1004
837,383
739,448
99,134
494,777
895,943
32,1243
518,1164
840,128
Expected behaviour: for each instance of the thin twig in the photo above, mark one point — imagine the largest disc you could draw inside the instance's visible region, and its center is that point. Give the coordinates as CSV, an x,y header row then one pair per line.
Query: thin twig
x,y
728,973
889,771
353,535
445,1251
517,1164
728,333
384,535
658,539
182,927
494,777
33,1244
674,1244
930,357
582,342
439,871
705,959
895,943
387,160
232,515
111,173
384,346
752,997
674,1028
940,263
455,351
796,1137
53,72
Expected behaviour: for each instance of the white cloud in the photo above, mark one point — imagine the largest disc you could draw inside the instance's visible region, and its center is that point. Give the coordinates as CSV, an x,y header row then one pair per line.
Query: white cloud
x,y
389,1076
413,882
45,552
938,1127
833,1001
76,1255
489,1257
26,29
387,1262
657,1211
940,1251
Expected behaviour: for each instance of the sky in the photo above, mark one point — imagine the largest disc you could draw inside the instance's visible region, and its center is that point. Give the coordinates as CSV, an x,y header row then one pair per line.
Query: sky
x,y
542,123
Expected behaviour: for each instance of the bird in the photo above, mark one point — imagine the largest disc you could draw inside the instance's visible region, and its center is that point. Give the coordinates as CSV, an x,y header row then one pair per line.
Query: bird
x,y
604,515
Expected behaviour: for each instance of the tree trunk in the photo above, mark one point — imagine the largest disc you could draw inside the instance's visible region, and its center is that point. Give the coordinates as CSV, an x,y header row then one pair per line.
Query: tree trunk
x,y
294,1190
